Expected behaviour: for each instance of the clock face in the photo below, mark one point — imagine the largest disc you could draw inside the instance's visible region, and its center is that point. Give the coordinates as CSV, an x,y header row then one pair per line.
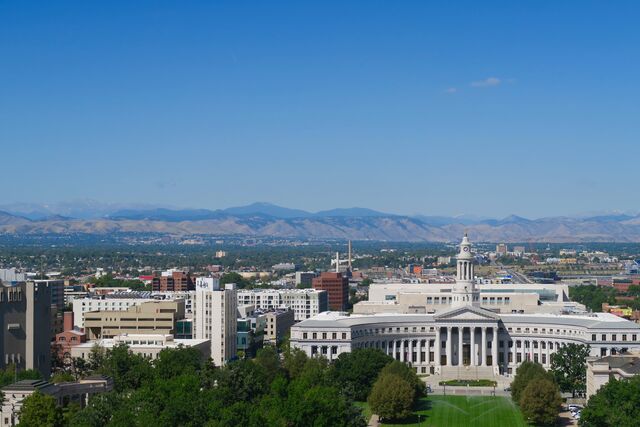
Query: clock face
x,y
466,249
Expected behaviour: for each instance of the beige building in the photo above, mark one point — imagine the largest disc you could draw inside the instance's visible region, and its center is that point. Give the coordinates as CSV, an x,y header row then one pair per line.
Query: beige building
x,y
147,345
601,370
215,320
158,317
278,324
429,298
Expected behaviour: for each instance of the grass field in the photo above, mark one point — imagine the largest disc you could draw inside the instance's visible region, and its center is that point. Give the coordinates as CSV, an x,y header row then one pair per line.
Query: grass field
x,y
462,411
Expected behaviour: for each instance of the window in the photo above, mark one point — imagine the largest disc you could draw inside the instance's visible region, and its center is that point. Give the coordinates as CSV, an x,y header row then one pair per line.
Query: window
x,y
344,335
613,337
604,337
593,337
304,335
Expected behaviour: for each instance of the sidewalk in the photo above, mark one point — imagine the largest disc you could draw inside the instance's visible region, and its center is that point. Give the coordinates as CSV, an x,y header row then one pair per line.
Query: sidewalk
x,y
374,421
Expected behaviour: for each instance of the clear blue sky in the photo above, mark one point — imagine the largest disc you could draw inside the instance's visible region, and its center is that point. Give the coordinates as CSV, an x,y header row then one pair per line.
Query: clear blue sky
x,y
488,108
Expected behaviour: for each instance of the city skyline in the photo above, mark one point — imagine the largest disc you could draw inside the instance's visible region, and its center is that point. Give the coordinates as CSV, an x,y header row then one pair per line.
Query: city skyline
x,y
420,109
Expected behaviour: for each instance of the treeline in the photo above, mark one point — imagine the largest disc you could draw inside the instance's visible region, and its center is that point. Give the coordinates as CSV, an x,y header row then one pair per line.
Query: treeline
x,y
180,389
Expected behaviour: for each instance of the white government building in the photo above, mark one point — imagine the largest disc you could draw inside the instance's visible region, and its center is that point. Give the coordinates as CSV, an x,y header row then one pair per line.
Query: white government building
x,y
468,332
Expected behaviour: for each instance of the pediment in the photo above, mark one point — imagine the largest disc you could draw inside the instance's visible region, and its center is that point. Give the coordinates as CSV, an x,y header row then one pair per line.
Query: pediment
x,y
467,313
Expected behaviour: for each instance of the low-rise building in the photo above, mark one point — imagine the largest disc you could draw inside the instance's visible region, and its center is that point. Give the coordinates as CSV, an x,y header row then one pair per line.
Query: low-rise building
x,y
157,317
69,337
63,393
601,370
147,345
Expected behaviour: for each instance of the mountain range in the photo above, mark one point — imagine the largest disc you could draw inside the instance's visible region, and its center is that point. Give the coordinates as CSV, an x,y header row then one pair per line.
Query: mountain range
x,y
268,220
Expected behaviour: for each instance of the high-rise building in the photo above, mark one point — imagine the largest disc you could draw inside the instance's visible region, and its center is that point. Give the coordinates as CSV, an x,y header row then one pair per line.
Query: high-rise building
x,y
25,339
337,287
304,278
172,280
215,319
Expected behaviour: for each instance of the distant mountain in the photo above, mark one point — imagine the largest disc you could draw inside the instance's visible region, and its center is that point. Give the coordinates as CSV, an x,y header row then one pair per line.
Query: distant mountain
x,y
350,212
265,219
261,208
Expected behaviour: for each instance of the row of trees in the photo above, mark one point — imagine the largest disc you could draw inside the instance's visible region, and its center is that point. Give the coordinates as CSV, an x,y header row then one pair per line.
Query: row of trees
x,y
178,388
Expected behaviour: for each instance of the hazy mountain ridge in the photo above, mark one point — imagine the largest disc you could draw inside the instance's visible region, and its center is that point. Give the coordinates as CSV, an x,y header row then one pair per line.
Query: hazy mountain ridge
x,y
355,223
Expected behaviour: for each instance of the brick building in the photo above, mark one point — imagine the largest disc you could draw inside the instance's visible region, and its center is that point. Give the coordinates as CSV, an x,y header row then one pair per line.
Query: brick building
x,y
178,281
337,287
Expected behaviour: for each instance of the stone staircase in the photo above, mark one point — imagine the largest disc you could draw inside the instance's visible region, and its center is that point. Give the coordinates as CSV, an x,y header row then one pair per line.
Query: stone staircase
x,y
468,372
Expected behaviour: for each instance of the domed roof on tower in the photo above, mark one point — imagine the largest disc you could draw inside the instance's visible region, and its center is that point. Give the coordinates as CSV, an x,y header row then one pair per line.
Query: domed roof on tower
x,y
465,248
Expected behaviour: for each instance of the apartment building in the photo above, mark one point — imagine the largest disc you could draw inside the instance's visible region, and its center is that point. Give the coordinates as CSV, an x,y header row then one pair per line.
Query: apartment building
x,y
305,303
215,320
173,280
278,324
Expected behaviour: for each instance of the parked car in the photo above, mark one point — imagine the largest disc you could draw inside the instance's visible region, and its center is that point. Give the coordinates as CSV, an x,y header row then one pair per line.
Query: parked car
x,y
507,389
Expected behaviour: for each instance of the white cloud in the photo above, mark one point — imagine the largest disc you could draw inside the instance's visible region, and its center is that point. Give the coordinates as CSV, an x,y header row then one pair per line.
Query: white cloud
x,y
488,82
451,90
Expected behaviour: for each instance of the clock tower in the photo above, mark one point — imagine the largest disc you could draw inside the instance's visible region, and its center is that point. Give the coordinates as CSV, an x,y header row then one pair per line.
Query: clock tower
x,y
464,291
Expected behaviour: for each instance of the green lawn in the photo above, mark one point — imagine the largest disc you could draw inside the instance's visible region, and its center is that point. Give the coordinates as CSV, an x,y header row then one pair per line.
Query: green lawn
x,y
462,411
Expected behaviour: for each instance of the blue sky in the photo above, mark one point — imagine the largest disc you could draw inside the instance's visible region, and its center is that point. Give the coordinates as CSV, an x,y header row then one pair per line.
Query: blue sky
x,y
486,108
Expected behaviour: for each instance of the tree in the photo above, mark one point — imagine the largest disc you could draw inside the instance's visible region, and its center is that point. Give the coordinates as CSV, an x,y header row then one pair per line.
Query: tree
x,y
407,373
294,361
617,403
61,377
540,401
171,363
268,359
391,397
526,372
568,366
356,371
40,410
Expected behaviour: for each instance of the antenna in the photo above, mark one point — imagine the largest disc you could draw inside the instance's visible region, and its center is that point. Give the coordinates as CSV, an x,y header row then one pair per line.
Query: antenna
x,y
349,255
337,262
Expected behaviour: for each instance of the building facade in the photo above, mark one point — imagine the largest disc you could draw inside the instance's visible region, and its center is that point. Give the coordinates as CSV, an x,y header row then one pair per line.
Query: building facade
x,y
171,281
215,320
305,303
337,287
278,324
158,317
464,339
25,340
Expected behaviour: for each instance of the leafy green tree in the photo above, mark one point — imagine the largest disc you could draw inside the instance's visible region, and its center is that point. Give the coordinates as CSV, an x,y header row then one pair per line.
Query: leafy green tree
x,y
235,278
173,362
407,373
617,403
391,397
40,410
99,412
242,381
569,368
128,370
357,371
593,296
293,362
61,377
267,358
540,401
526,372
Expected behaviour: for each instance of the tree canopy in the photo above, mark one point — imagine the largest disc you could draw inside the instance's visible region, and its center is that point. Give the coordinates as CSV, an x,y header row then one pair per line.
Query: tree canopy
x,y
540,401
568,365
40,410
617,403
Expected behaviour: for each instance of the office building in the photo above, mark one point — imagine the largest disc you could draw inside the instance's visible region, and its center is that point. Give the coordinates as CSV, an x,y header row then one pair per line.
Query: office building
x,y
215,320
151,317
337,287
602,369
25,309
304,278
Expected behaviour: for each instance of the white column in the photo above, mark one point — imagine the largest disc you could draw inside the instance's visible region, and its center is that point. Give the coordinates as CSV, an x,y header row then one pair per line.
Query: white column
x,y
494,347
472,332
411,351
395,349
514,353
402,350
483,347
460,335
436,351
449,345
